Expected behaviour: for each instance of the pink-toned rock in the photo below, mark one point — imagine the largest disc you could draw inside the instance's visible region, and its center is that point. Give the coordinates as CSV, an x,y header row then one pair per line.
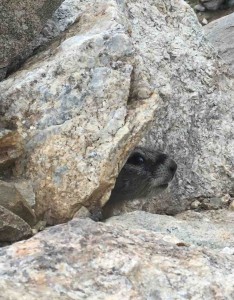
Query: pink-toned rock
x,y
88,260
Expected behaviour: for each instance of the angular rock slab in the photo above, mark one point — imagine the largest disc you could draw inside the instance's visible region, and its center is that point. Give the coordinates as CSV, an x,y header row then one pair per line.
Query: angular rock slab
x,y
84,259
12,227
21,21
72,105
18,198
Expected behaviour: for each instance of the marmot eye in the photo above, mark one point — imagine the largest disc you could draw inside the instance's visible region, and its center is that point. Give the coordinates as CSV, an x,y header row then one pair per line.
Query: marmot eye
x,y
136,159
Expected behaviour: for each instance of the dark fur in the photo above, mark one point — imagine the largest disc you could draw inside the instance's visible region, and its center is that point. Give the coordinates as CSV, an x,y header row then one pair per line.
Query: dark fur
x,y
146,173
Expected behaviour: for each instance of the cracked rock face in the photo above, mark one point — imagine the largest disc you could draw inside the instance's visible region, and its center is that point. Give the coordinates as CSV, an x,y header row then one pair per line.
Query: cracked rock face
x,y
195,127
21,22
84,259
12,227
71,106
81,105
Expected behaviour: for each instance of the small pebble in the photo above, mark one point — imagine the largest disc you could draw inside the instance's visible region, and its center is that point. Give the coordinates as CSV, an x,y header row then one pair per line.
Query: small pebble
x,y
204,21
195,204
199,7
226,199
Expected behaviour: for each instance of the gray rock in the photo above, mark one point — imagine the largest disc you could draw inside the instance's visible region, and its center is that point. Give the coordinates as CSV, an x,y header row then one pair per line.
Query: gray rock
x,y
14,198
212,203
116,59
71,104
88,260
220,34
199,7
212,229
195,125
212,4
21,21
204,21
12,227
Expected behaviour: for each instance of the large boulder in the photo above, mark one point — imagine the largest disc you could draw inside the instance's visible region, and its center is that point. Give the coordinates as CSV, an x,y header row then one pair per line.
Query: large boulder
x,y
88,260
21,21
81,105
72,106
195,125
220,34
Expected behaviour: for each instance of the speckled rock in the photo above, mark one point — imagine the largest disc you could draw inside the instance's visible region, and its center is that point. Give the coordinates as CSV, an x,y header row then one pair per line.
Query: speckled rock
x,y
195,125
72,104
12,227
212,229
21,21
220,34
88,260
18,198
84,103
10,148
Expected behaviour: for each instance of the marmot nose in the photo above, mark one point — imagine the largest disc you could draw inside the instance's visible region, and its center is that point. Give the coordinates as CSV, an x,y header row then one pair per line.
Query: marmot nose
x,y
172,166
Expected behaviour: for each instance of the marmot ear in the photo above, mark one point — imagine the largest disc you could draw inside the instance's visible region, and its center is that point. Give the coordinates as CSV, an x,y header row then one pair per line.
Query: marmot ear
x,y
136,159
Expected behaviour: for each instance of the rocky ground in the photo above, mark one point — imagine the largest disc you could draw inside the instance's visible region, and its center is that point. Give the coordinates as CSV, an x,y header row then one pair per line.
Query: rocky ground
x,y
104,74
134,256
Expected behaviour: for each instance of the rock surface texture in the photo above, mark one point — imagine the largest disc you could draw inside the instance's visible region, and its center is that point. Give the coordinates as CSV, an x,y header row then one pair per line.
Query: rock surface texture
x,y
81,105
21,21
212,229
221,34
195,127
88,260
212,4
71,105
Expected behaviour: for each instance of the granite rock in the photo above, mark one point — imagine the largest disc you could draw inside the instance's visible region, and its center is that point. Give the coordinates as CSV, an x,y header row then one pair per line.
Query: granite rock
x,y
72,104
211,229
83,103
84,259
195,125
12,227
21,22
18,198
220,34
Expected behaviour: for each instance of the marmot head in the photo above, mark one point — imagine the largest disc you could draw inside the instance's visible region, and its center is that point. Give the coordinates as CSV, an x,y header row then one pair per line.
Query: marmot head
x,y
146,173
